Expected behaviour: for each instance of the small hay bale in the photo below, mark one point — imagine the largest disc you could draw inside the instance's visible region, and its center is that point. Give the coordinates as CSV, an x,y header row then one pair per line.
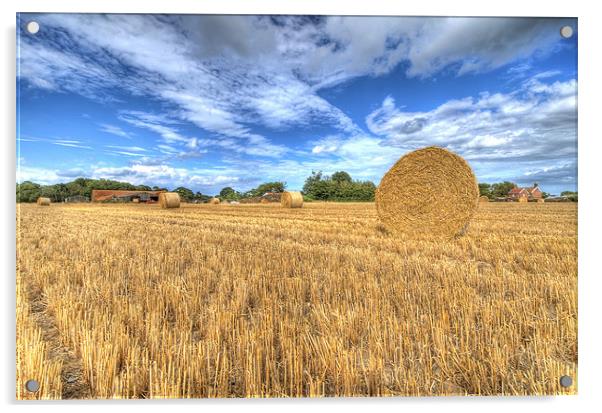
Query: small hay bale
x,y
429,191
43,201
214,201
136,200
291,199
541,201
483,198
264,201
523,199
169,200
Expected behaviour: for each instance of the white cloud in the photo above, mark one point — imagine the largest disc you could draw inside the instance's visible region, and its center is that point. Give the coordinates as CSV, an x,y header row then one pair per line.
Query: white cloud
x,y
538,121
115,130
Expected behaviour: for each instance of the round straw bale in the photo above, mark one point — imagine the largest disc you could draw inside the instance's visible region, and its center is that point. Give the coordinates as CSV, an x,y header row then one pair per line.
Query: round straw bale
x,y
483,198
136,200
169,200
214,201
541,201
291,199
523,199
431,191
42,201
264,201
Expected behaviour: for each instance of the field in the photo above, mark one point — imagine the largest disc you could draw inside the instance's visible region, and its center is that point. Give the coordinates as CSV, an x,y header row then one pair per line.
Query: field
x,y
131,301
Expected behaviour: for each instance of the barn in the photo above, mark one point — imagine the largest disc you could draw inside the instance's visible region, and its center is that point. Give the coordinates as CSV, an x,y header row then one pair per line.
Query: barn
x,y
113,195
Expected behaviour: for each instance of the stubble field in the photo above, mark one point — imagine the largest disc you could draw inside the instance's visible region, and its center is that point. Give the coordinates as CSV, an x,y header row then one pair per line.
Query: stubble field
x,y
131,301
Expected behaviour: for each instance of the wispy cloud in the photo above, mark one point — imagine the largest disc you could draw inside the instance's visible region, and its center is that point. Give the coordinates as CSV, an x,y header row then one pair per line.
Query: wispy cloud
x,y
115,130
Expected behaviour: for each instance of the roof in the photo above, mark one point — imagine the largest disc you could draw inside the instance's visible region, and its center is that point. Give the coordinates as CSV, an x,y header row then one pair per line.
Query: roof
x,y
516,190
106,194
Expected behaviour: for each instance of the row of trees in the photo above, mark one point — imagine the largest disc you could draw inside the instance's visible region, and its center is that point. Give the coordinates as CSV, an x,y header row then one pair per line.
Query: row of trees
x,y
337,187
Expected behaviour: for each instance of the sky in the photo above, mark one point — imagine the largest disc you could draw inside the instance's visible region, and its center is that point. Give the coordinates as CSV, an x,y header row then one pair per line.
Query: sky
x,y
212,101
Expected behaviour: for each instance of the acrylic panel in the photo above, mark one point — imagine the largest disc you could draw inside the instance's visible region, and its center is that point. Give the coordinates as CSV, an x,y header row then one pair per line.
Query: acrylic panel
x,y
295,206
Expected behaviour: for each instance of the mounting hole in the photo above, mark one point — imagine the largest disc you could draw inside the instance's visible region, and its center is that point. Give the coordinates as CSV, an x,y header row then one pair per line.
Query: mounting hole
x,y
566,32
32,27
566,381
32,385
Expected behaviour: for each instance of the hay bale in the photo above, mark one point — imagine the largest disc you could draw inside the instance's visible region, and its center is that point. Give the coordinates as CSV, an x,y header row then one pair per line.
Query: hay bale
x,y
541,201
43,201
169,200
483,198
523,199
136,200
291,199
431,191
214,201
264,201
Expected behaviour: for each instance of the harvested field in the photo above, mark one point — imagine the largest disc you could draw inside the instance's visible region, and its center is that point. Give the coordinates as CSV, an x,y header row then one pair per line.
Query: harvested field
x,y
260,300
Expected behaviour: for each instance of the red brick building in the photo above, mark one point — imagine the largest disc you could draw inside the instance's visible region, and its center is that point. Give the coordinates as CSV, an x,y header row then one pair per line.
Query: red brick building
x,y
531,193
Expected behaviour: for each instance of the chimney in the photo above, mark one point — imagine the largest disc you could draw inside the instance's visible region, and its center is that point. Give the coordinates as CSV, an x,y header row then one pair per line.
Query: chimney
x,y
535,184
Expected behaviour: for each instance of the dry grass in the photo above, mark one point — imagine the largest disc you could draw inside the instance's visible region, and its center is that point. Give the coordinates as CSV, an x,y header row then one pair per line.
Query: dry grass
x,y
264,301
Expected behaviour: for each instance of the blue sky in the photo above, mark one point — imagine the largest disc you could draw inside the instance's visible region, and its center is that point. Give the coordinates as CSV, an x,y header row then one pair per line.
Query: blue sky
x,y
214,101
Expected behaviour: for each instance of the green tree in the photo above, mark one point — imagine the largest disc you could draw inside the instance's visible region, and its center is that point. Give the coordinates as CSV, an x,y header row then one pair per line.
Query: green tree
x,y
229,194
485,189
311,183
185,193
501,189
28,191
340,177
268,187
343,188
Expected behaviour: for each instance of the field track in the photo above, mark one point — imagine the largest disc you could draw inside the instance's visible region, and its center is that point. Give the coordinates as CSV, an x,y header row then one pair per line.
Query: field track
x,y
256,300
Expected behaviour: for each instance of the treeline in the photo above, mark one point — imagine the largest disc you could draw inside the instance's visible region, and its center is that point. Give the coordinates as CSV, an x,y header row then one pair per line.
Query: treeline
x,y
337,187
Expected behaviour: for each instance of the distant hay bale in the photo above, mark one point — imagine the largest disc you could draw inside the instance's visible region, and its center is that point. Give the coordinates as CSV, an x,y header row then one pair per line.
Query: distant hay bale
x,y
43,201
136,200
483,198
541,201
264,201
214,201
431,191
169,200
523,199
291,199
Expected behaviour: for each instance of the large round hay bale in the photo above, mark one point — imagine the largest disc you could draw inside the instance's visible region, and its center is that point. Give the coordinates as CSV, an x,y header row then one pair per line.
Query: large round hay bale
x,y
483,198
523,199
214,201
42,201
169,200
431,191
291,199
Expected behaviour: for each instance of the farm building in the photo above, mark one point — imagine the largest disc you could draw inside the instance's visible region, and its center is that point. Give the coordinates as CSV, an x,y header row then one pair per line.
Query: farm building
x,y
108,195
76,199
530,193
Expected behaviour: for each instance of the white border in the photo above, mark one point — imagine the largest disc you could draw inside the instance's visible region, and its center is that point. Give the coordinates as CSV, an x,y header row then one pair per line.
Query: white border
x,y
590,156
